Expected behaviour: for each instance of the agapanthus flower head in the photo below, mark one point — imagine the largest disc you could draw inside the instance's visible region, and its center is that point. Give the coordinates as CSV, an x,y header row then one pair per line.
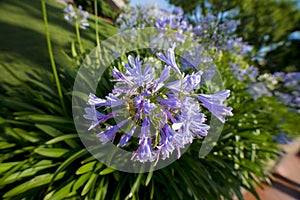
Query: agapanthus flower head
x,y
258,89
76,15
288,89
166,109
219,35
250,73
140,17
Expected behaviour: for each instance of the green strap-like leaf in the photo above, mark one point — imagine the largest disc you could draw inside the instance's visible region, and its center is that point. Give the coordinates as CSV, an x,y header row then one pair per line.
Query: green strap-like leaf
x,y
45,118
86,168
69,161
62,138
31,184
26,173
107,171
135,186
6,166
89,184
62,193
51,152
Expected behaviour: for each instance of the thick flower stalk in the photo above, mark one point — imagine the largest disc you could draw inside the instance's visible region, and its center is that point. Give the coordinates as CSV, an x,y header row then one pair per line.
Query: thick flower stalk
x,y
165,108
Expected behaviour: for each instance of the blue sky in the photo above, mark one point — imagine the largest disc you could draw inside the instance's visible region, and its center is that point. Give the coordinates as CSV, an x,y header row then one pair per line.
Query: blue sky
x,y
161,3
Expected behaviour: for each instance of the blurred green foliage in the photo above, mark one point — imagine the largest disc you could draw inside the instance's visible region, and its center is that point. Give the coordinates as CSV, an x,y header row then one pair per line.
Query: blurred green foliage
x,y
104,9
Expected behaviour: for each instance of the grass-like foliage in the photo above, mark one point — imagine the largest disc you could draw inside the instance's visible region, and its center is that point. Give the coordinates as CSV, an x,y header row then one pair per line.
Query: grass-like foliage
x,y
42,156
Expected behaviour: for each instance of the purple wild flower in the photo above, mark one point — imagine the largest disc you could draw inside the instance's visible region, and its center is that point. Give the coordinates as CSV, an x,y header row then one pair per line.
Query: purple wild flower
x,y
282,138
190,121
166,145
214,103
170,59
95,116
109,133
250,73
145,152
78,16
126,137
258,89
93,100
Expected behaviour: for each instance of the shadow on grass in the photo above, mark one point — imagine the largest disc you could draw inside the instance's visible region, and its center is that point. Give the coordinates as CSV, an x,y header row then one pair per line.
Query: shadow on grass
x,y
27,43
55,16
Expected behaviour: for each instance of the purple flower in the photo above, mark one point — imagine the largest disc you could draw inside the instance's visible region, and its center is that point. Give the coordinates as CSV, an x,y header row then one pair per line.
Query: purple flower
x,y
95,116
93,100
145,127
145,151
165,74
178,12
148,107
135,72
190,121
282,138
78,16
110,133
188,84
120,77
258,89
172,102
188,63
166,146
214,103
170,59
175,86
243,74
126,137
209,18
194,80
113,101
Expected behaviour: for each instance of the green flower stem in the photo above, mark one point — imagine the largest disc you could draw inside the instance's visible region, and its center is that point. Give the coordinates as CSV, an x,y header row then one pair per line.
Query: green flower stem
x,y
96,22
78,37
51,56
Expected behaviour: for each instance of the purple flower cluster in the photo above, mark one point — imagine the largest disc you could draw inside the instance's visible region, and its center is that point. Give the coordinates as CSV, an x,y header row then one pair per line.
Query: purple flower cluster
x,y
209,32
76,15
218,36
282,138
288,91
140,17
145,94
257,85
250,73
258,89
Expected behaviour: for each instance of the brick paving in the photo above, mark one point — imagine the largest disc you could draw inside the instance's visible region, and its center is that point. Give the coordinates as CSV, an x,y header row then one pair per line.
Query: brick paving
x,y
286,177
